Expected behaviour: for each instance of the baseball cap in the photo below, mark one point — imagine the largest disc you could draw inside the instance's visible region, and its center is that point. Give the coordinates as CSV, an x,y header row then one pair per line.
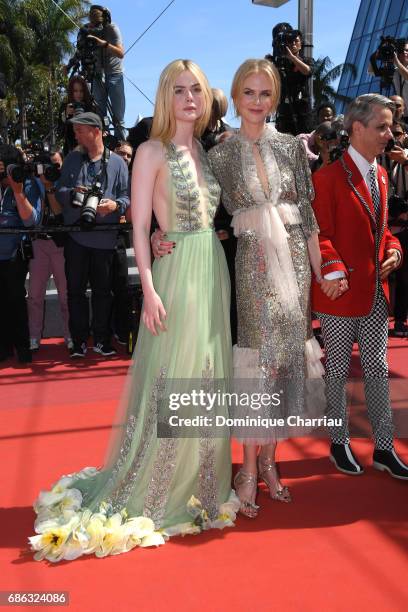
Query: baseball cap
x,y
91,119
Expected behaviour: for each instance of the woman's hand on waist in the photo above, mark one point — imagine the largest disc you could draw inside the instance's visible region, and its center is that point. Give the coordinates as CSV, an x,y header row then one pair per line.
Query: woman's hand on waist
x,y
160,246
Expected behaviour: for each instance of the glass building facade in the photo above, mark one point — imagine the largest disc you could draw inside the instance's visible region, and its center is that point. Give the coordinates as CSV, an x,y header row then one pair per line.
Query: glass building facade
x,y
375,18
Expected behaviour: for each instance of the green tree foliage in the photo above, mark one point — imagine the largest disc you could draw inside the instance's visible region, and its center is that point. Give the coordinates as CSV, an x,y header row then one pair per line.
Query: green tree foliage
x,y
324,77
35,39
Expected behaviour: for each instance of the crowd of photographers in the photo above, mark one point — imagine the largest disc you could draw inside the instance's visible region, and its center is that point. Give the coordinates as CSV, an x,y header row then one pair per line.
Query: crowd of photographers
x,y
86,184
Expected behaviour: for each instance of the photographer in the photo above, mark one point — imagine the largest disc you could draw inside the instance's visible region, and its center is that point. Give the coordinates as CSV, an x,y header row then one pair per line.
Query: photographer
x,y
399,112
48,250
325,112
325,139
107,83
400,79
20,206
293,114
393,55
398,222
93,189
78,100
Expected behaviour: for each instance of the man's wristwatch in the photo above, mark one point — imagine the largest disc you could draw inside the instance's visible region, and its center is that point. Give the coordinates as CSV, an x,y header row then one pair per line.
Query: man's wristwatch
x,y
106,45
50,190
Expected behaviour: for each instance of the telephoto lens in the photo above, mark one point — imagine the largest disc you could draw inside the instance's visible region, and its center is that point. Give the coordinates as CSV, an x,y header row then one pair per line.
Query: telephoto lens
x,y
88,212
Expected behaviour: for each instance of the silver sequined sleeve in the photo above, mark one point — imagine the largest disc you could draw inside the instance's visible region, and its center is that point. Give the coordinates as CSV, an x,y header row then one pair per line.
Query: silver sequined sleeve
x,y
305,191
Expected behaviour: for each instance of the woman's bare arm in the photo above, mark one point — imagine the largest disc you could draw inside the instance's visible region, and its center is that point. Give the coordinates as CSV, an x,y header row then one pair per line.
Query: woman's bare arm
x,y
148,161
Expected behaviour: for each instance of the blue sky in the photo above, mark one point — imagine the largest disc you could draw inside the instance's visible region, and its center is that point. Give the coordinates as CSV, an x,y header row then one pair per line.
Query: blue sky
x,y
218,35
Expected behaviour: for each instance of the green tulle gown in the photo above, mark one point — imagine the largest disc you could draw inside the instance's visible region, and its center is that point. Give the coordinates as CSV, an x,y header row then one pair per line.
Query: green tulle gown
x,y
151,488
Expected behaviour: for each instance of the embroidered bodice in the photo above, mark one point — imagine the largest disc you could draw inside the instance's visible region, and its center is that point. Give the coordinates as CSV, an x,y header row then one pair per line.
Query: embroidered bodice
x,y
286,169
192,206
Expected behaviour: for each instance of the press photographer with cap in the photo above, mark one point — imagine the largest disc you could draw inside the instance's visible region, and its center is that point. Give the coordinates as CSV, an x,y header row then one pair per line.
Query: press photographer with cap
x,y
93,188
20,206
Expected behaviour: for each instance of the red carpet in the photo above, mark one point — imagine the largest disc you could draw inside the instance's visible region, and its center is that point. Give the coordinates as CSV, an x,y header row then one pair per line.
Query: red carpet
x,y
342,544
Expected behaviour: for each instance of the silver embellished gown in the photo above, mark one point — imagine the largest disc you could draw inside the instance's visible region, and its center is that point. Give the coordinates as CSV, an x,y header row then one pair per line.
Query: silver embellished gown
x,y
151,488
276,350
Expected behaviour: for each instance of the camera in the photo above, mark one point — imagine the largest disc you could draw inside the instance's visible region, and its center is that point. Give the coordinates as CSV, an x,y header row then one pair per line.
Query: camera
x,y
78,107
389,46
385,54
26,249
39,164
397,205
390,145
283,36
332,135
284,39
343,142
88,201
86,50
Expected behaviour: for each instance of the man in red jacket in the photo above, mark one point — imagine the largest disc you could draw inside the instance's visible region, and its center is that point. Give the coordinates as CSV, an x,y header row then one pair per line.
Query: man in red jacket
x,y
352,296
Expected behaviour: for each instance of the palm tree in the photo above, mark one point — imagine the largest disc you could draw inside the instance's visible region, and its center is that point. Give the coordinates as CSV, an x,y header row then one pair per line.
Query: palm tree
x,y
34,39
324,75
53,26
16,46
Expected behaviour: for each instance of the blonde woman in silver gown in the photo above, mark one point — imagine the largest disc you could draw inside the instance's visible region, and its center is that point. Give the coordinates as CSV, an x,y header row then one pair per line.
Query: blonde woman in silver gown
x,y
266,186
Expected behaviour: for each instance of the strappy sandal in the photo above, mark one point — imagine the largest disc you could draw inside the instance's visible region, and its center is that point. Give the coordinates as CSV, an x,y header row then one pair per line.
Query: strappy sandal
x,y
243,479
276,490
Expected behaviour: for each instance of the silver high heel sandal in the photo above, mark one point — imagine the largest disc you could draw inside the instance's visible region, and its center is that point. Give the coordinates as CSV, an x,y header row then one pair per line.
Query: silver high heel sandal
x,y
243,479
276,490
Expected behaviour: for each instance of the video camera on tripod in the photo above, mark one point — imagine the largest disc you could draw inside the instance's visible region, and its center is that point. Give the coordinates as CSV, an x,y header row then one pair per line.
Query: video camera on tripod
x,y
85,59
90,62
86,52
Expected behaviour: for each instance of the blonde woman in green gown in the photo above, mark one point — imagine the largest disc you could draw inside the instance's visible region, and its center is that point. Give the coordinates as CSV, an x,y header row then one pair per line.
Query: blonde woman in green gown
x,y
151,488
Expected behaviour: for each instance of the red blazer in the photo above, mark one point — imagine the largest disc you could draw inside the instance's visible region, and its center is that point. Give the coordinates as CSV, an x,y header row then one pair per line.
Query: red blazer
x,y
345,214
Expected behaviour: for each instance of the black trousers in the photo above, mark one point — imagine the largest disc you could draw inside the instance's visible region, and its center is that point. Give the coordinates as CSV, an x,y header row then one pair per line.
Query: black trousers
x,y
230,249
13,305
83,265
120,288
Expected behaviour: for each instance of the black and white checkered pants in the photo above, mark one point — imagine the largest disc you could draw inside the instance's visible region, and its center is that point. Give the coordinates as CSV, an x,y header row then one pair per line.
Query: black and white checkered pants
x,y
371,333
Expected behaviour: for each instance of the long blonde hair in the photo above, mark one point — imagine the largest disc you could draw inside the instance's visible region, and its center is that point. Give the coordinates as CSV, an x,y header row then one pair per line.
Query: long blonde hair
x,y
253,66
164,123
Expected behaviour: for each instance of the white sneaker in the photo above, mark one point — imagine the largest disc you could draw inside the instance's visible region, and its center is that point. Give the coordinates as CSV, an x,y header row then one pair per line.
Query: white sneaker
x,y
34,344
69,343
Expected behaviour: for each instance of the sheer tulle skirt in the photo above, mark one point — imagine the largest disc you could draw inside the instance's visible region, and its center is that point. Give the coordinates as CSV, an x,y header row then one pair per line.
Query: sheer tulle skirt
x,y
150,487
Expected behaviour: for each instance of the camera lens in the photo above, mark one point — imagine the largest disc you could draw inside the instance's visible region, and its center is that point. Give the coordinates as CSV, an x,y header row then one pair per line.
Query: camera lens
x,y
390,145
52,173
16,172
78,199
88,213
